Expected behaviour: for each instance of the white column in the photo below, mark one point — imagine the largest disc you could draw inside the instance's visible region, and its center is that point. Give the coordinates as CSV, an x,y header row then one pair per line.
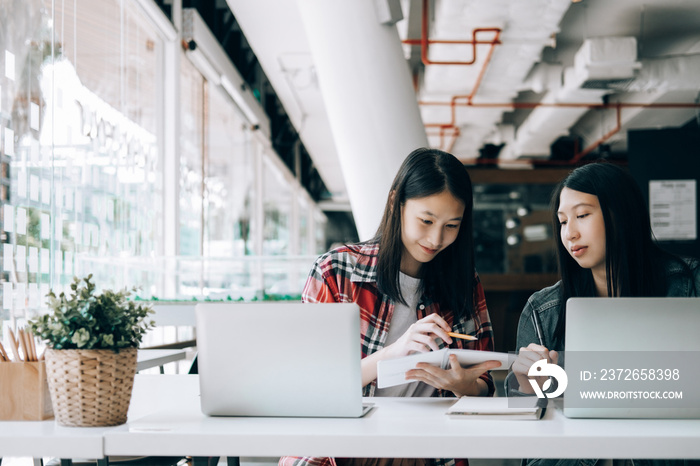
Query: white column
x,y
171,156
369,96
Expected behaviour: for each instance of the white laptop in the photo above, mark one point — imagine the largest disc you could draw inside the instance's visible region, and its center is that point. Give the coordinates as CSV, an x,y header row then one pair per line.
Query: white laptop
x,y
634,355
279,359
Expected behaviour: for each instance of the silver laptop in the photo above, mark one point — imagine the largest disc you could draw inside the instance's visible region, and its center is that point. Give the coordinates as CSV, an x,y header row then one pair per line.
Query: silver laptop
x,y
632,358
279,359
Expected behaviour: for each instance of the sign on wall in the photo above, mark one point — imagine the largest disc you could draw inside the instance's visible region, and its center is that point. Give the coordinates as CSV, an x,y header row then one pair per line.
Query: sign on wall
x,y
673,209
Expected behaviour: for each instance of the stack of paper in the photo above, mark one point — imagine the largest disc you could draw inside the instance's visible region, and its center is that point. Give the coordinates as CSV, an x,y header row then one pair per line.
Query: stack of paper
x,y
392,372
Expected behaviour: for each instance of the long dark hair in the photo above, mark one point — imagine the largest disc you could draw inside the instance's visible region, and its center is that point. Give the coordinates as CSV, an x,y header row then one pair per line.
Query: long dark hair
x,y
449,277
633,260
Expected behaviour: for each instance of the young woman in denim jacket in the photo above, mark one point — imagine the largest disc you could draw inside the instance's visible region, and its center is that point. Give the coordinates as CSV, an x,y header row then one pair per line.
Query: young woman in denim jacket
x,y
605,248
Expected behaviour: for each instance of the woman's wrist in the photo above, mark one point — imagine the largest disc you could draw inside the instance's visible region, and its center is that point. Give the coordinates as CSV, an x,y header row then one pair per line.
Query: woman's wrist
x,y
523,384
478,388
369,365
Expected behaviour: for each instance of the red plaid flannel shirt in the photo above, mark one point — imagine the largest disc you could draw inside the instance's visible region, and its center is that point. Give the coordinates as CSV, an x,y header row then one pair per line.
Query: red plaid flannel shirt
x,y
346,275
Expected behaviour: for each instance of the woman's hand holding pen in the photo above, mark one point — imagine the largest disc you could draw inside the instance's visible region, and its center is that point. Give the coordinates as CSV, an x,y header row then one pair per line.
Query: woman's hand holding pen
x,y
462,381
420,337
526,358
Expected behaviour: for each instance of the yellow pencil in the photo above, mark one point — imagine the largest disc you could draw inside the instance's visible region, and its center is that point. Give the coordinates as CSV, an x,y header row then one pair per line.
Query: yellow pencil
x,y
462,336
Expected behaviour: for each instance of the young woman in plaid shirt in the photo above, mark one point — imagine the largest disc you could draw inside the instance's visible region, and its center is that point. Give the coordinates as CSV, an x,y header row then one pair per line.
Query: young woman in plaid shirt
x,y
414,282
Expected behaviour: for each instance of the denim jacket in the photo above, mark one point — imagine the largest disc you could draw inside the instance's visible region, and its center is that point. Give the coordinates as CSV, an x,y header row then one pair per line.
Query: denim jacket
x,y
547,302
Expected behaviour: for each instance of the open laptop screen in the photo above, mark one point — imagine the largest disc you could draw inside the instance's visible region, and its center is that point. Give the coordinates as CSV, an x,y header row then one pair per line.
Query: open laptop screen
x,y
279,359
632,358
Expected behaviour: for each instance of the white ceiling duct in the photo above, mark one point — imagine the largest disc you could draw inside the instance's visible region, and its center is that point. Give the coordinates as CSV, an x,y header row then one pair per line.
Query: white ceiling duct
x,y
659,82
545,77
547,123
666,74
599,64
604,62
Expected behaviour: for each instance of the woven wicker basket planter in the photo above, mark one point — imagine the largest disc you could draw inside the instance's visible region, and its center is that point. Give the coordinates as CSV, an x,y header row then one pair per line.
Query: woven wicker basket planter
x,y
90,388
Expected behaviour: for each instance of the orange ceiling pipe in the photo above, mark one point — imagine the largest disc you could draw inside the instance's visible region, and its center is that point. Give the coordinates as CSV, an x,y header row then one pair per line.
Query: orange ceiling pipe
x,y
453,103
451,126
578,156
605,137
425,41
469,98
454,133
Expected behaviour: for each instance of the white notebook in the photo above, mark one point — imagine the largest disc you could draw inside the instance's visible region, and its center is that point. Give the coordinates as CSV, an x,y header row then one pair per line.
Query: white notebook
x,y
499,408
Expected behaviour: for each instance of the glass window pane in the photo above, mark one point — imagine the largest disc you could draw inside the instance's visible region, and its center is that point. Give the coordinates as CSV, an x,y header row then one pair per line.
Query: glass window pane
x,y
230,175
192,85
277,197
80,160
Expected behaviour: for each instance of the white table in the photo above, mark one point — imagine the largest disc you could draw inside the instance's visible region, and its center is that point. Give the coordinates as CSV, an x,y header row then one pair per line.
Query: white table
x,y
414,427
37,439
47,438
164,419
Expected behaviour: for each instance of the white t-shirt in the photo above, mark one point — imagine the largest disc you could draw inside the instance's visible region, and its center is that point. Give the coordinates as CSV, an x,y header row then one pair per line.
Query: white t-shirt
x,y
404,316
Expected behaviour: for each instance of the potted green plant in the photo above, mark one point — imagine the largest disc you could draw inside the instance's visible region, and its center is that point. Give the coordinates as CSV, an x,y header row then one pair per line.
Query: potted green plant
x,y
92,340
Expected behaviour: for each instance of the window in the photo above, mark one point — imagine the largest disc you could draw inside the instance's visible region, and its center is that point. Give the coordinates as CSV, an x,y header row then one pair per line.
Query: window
x,y
192,148
80,160
229,180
